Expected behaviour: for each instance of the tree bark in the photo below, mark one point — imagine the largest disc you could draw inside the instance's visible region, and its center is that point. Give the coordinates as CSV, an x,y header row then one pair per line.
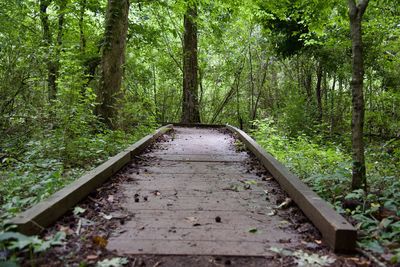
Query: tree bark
x,y
48,42
190,104
251,80
318,92
82,38
113,58
356,12
308,84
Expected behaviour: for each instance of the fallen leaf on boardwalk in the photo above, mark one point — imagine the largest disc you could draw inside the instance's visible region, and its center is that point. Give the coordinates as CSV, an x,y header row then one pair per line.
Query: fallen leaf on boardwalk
x,y
78,229
66,230
86,222
235,188
78,210
100,241
360,261
267,179
281,251
305,259
110,198
253,230
105,216
285,203
191,219
119,215
91,257
114,262
251,182
272,213
312,246
306,227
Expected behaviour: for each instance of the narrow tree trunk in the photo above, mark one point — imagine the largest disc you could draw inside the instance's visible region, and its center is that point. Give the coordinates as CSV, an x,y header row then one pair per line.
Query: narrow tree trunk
x,y
332,109
318,92
356,12
229,95
82,38
190,105
251,82
155,87
113,58
260,89
308,84
239,116
48,42
61,16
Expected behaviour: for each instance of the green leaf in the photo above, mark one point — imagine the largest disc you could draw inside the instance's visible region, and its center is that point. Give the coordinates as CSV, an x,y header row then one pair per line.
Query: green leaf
x,y
78,210
251,182
305,259
114,262
373,246
12,235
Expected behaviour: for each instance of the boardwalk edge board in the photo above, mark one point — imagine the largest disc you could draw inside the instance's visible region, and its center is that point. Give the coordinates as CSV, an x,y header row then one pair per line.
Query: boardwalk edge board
x,y
196,125
339,234
46,212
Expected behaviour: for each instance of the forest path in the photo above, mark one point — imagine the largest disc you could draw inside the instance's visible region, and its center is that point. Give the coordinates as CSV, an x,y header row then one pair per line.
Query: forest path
x,y
197,195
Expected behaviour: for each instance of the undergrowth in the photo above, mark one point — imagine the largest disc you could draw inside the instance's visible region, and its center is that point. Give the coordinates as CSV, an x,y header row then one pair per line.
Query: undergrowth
x,y
326,167
33,170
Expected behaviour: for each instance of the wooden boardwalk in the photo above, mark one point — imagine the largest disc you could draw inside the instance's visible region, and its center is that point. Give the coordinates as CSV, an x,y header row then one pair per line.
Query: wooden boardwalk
x,y
196,194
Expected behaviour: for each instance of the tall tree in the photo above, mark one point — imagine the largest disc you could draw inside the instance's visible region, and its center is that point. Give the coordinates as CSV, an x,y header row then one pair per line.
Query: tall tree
x,y
113,58
53,59
190,104
48,42
356,12
82,38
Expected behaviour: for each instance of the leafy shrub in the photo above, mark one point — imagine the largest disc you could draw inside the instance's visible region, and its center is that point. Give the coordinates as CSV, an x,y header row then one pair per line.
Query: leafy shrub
x,y
327,169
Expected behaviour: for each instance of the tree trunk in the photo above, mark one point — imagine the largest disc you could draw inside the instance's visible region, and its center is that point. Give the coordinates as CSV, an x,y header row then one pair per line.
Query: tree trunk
x,y
113,58
190,105
260,89
332,109
229,95
251,80
318,93
356,12
48,42
82,38
308,84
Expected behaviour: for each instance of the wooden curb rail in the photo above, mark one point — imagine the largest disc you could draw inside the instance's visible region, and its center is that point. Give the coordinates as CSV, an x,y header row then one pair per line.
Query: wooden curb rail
x,y
46,212
340,235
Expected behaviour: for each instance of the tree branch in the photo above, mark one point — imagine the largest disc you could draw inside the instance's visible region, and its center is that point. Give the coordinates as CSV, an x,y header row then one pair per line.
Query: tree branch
x,y
352,8
362,6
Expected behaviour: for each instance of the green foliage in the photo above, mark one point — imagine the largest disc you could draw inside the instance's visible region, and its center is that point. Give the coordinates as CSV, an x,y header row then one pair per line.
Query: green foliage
x,y
300,154
47,164
45,145
16,243
327,169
